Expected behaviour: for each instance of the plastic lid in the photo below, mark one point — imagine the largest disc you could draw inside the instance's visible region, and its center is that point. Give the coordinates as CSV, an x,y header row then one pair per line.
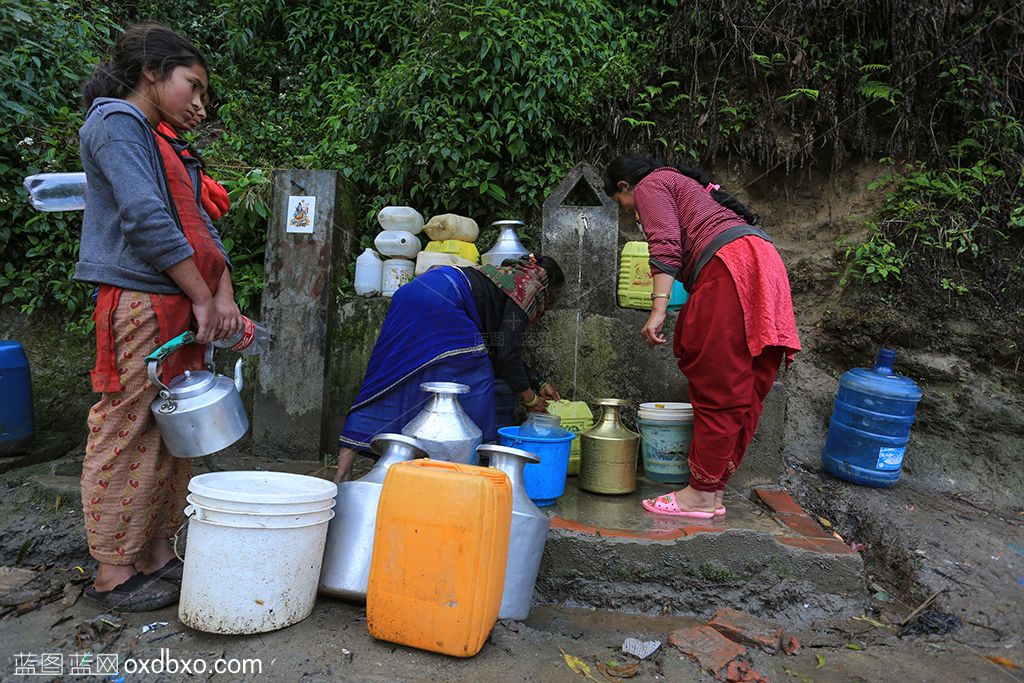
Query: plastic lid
x,y
262,487
666,406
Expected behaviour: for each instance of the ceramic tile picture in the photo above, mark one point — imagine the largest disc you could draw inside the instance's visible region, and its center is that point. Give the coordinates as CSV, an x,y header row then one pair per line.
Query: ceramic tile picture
x,y
300,215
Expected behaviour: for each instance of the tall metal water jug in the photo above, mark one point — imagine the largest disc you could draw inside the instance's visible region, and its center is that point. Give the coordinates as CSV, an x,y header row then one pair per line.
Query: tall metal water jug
x,y
870,426
608,452
529,532
346,567
507,245
443,429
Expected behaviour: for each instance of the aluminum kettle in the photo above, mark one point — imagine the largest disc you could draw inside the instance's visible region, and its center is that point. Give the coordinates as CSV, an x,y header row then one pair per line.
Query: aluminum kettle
x,y
346,569
199,412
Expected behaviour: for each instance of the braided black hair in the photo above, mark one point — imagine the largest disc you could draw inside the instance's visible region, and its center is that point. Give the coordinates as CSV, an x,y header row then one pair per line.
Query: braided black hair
x,y
632,168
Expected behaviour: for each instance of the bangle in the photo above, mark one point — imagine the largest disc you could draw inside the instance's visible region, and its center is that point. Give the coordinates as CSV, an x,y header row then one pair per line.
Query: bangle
x,y
659,295
535,401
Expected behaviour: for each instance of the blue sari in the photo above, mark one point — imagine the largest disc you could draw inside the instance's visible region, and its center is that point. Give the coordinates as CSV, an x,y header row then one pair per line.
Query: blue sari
x,y
431,333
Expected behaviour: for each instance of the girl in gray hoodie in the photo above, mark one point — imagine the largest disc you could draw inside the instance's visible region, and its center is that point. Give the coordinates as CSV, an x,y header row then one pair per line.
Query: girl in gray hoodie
x,y
161,269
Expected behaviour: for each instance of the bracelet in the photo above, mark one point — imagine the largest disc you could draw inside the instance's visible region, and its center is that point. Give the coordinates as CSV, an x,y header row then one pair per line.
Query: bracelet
x,y
659,295
535,401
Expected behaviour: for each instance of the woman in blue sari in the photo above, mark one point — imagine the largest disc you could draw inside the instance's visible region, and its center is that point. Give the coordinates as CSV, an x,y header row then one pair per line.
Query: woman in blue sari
x,y
452,324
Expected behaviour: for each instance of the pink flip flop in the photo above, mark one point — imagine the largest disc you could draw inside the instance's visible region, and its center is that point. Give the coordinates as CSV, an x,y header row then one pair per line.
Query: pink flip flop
x,y
666,505
720,511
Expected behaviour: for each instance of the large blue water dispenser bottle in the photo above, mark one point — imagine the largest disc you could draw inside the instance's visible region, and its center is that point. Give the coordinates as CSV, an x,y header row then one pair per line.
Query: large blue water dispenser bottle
x,y
870,427
16,424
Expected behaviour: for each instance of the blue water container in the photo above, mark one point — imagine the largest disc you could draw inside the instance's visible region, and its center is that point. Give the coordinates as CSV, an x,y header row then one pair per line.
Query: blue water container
x,y
16,423
544,481
870,426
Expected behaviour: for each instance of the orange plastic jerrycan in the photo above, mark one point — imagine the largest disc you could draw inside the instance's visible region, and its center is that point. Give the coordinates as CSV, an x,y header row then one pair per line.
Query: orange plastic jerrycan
x,y
439,555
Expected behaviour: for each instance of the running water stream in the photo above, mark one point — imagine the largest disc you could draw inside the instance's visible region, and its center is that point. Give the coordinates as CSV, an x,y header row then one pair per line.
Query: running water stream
x,y
581,230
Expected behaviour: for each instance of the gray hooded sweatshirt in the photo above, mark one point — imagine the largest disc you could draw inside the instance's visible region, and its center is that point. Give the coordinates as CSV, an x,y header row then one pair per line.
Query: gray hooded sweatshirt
x,y
129,235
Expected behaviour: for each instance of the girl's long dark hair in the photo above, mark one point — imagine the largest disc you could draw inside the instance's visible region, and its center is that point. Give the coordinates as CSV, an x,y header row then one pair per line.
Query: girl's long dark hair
x,y
143,46
633,168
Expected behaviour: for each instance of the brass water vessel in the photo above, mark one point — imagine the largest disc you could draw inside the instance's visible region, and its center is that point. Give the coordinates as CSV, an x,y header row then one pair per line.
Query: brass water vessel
x,y
608,452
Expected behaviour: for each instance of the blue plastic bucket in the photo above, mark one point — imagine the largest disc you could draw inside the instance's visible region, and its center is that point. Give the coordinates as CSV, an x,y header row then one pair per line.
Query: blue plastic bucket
x,y
545,481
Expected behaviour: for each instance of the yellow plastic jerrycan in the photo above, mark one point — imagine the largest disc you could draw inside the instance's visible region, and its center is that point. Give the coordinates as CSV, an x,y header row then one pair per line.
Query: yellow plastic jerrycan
x,y
576,417
636,281
465,250
439,554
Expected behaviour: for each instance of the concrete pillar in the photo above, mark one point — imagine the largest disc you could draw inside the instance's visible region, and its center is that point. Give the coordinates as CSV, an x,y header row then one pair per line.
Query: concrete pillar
x,y
581,231
588,346
309,245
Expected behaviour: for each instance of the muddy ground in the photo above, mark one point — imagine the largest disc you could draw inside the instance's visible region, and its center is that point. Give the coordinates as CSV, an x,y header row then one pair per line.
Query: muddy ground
x,y
952,530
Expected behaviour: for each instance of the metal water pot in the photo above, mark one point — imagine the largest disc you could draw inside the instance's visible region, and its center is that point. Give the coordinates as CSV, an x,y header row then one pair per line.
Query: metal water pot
x,y
199,412
528,534
608,452
508,245
443,429
346,569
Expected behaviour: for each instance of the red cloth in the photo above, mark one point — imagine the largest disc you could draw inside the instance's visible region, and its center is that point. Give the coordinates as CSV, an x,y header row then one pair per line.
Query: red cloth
x,y
679,217
174,311
215,198
763,286
214,195
727,383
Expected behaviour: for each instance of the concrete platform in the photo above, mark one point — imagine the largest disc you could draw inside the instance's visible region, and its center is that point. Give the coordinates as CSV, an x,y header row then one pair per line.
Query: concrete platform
x,y
765,557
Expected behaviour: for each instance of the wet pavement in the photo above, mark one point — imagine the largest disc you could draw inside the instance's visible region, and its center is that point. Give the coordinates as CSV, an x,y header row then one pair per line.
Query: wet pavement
x,y
624,513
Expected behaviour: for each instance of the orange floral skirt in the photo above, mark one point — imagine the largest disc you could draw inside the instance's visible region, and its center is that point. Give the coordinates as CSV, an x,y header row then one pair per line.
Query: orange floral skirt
x,y
133,490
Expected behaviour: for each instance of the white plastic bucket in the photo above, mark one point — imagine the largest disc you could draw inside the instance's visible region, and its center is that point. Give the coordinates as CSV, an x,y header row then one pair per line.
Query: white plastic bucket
x,y
255,548
261,492
396,273
666,430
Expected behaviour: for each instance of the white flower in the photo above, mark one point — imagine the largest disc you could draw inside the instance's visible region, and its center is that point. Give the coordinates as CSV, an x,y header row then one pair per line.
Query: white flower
x,y
27,142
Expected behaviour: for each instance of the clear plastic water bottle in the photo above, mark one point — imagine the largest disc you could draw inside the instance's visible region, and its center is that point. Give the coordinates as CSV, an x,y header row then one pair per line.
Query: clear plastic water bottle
x,y
56,191
253,338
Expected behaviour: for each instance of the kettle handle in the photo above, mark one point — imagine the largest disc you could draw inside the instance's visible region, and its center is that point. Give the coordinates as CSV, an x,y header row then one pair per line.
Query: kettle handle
x,y
183,339
154,359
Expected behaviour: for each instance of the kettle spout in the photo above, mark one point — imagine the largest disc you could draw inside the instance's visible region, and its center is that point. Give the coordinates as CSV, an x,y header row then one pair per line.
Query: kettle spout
x,y
238,375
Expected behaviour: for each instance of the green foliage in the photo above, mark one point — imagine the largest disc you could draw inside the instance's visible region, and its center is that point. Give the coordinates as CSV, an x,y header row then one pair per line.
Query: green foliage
x,y
479,107
53,46
875,260
957,223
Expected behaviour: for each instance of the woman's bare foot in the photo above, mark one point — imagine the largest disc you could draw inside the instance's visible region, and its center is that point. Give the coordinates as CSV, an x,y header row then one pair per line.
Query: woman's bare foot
x,y
719,499
692,499
346,456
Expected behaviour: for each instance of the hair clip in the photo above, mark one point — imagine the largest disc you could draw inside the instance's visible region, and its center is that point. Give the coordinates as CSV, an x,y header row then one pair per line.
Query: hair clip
x,y
712,186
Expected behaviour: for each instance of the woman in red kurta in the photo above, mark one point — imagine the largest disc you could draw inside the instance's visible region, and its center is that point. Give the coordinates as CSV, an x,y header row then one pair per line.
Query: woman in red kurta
x,y
734,331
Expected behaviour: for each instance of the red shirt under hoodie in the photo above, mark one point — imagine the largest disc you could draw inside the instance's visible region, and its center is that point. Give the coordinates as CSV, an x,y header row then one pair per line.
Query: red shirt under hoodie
x,y
680,218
